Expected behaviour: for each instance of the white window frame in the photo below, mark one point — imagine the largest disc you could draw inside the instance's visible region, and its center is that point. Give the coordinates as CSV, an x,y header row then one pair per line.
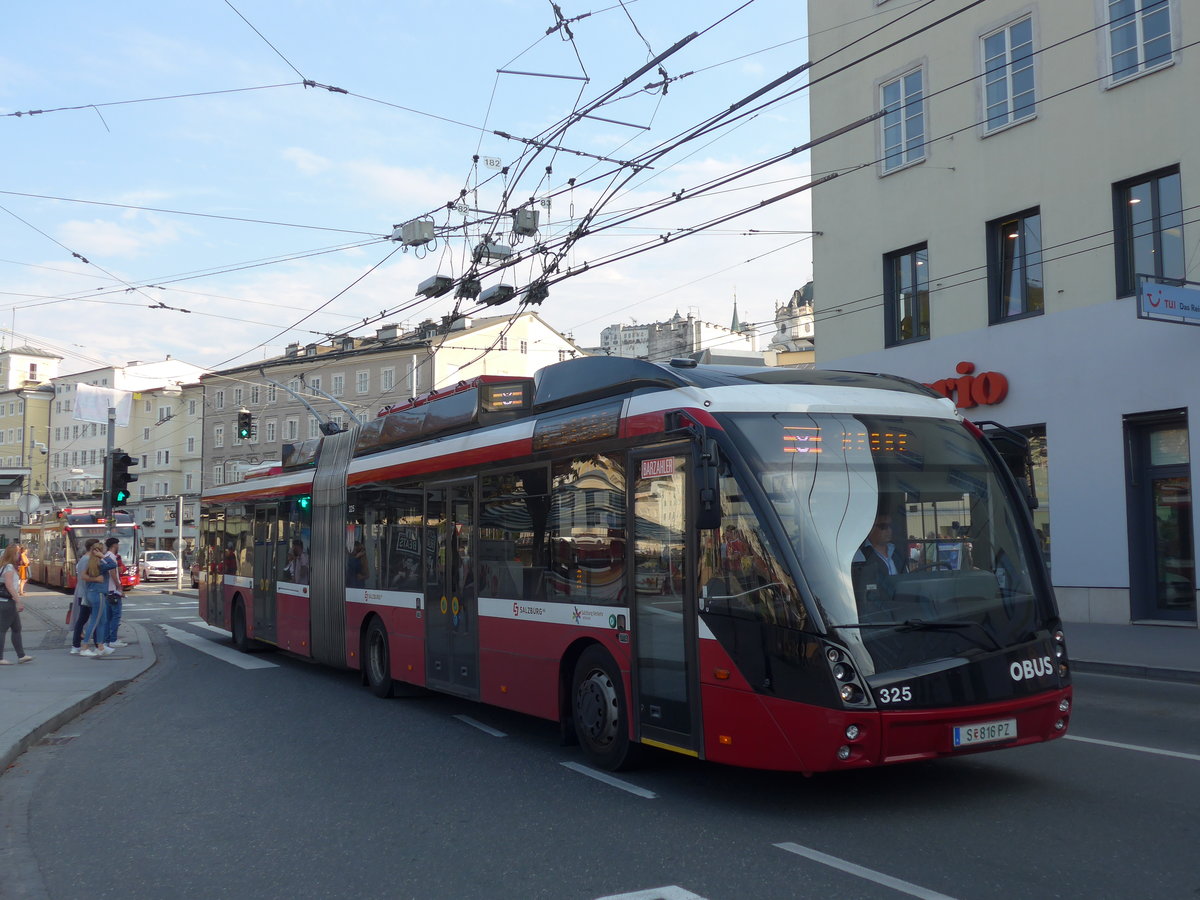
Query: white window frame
x,y
362,381
337,384
1138,23
218,436
907,117
1002,70
219,400
387,379
270,427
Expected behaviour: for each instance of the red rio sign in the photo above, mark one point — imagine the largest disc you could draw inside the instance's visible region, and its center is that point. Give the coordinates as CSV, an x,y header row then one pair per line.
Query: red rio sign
x,y
984,389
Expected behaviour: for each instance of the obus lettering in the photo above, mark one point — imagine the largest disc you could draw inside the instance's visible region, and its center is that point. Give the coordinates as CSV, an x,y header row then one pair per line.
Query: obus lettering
x,y
1031,668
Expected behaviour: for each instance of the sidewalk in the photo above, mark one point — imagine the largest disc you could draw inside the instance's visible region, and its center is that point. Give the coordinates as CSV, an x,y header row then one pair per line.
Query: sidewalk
x,y
40,697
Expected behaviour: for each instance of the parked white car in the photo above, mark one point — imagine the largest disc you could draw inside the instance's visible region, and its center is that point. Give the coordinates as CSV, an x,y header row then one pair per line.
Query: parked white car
x,y
158,564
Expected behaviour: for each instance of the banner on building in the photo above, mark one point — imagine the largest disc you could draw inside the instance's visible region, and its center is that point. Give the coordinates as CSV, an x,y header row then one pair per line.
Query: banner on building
x,y
92,404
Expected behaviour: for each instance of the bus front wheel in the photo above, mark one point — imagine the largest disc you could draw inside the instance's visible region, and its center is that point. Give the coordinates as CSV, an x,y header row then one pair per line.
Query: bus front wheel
x,y
599,712
377,660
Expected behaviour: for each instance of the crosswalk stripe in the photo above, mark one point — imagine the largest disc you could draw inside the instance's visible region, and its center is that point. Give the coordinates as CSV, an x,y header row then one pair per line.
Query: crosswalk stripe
x,y
225,654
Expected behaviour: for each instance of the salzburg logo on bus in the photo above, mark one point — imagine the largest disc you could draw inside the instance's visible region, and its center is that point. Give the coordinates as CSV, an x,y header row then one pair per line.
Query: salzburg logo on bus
x,y
1031,668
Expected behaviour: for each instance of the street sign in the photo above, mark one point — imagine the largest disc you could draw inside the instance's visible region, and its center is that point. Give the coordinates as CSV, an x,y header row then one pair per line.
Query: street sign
x,y
28,504
1169,301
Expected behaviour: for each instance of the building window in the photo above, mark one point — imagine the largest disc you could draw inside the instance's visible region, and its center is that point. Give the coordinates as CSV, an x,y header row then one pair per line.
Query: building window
x,y
524,346
503,343
337,385
906,295
187,482
291,429
314,385
270,393
218,474
314,427
219,436
362,382
254,394
1148,219
191,445
219,400
270,431
191,407
903,104
145,434
1139,36
1014,255
387,380
1008,74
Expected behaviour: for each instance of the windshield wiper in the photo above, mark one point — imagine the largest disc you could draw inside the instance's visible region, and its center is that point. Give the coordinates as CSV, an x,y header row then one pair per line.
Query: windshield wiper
x,y
924,625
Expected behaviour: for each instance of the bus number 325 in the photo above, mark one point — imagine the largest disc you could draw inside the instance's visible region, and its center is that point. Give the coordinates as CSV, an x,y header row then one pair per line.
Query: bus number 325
x,y
895,694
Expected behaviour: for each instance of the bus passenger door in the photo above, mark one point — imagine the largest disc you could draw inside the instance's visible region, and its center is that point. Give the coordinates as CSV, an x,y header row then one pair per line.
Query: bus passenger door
x,y
451,633
664,601
266,536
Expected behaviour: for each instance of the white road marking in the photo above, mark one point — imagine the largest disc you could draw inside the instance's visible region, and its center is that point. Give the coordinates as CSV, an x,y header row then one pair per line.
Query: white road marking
x,y
609,780
486,729
225,654
1175,753
895,884
670,892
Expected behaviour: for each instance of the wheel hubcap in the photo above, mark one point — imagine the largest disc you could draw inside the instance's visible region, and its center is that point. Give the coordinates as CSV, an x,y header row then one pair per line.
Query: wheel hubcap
x,y
596,708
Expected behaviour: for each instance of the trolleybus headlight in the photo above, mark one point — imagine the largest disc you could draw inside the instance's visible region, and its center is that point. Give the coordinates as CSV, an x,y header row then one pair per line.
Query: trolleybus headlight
x,y
852,732
1060,724
851,693
832,654
843,752
1060,651
1060,637
843,672
1064,705
1062,670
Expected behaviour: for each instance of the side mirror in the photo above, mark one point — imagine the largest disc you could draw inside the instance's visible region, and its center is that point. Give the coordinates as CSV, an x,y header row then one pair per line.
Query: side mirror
x,y
708,485
1013,449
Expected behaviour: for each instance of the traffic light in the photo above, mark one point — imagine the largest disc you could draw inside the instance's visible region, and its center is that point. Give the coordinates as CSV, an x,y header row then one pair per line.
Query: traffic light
x,y
245,424
121,477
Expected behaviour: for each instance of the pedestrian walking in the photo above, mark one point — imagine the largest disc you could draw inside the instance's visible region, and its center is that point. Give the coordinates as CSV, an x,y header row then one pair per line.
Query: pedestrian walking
x,y
23,567
95,578
81,607
10,604
114,593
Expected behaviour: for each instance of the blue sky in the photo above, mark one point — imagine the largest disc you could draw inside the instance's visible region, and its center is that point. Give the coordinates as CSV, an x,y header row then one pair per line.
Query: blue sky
x,y
324,175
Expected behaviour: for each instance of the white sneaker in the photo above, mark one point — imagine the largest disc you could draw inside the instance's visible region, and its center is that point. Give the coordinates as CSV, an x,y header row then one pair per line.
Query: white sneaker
x,y
117,644
74,651
105,651
89,652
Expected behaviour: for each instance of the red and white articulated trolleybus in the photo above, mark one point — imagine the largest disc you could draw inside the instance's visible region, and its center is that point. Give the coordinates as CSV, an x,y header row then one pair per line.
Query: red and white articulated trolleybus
x,y
55,544
668,555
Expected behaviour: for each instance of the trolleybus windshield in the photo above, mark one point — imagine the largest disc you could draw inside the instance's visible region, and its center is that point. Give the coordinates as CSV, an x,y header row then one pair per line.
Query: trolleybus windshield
x,y
907,536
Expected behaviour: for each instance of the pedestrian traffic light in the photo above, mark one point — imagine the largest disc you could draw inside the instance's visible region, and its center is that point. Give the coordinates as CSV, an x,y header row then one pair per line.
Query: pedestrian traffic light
x,y
121,477
245,424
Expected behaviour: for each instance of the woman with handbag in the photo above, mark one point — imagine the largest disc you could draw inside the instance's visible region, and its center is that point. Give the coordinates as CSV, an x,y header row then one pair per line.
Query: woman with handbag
x,y
10,606
95,579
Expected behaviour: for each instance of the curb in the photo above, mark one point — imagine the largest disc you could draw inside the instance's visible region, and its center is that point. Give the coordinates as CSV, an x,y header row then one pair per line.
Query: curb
x,y
62,718
1154,673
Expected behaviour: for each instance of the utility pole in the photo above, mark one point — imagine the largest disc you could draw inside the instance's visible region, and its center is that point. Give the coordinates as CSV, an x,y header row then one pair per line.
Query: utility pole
x,y
107,509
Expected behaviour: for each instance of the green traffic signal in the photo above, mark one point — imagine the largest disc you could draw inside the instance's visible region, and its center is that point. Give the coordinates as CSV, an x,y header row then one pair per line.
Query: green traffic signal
x,y
245,425
121,477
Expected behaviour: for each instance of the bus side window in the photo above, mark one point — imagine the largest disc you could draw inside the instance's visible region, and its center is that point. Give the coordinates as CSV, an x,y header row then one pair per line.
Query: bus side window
x,y
740,572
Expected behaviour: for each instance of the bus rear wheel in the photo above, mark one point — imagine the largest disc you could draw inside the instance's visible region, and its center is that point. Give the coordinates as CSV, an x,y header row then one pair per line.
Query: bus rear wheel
x,y
599,712
377,660
238,626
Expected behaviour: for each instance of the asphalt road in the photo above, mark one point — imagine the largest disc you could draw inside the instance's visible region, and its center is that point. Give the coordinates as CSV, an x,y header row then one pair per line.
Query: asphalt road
x,y
206,779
